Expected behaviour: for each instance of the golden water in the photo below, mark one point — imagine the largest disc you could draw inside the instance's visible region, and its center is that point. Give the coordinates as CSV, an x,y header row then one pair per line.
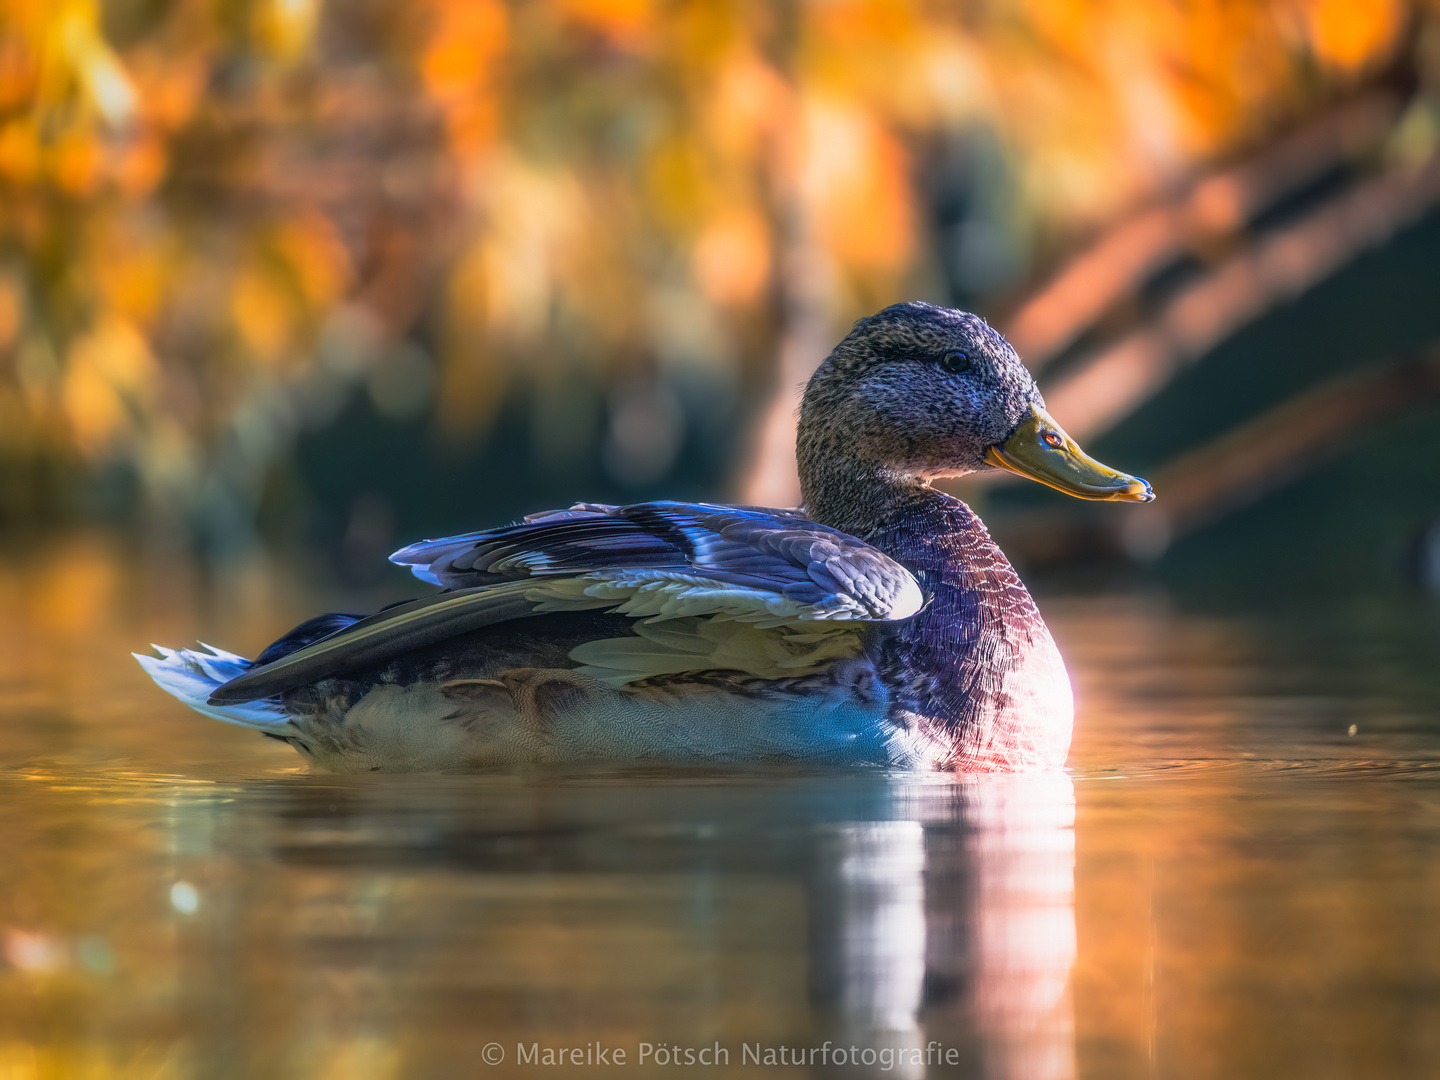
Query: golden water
x,y
1230,884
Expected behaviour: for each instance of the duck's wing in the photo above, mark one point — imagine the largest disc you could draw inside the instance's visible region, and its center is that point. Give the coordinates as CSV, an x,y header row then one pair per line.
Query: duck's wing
x,y
776,563
657,561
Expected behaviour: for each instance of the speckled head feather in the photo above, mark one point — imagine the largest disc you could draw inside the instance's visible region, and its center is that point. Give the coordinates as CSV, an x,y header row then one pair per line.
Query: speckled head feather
x,y
883,407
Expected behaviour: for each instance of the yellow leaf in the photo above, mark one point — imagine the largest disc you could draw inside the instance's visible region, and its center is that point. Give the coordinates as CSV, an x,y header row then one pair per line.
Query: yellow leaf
x,y
1346,34
19,153
732,258
103,369
262,315
316,255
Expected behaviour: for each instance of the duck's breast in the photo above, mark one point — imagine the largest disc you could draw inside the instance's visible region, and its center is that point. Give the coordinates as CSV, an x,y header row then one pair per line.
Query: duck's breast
x,y
976,673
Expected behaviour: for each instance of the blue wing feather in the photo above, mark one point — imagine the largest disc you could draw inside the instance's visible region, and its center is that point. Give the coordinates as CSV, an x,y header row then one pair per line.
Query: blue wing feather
x,y
771,550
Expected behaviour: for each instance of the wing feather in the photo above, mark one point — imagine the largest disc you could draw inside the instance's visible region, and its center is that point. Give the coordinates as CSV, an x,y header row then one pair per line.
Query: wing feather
x,y
660,562
388,634
767,551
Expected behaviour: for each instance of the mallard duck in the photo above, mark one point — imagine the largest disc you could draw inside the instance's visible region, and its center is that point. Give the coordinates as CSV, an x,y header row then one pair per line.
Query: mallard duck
x,y
876,625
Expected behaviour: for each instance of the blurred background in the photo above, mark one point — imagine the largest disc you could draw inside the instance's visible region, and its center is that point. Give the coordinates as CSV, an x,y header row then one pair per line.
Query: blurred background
x,y
322,278
285,284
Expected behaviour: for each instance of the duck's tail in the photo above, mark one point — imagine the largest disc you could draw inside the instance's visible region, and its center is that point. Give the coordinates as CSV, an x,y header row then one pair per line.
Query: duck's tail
x,y
192,675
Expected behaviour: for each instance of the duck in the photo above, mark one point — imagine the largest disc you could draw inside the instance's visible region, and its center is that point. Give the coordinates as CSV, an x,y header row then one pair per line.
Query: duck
x,y
876,625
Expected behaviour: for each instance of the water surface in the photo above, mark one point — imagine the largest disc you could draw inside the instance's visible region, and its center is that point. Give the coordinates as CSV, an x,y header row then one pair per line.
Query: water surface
x,y
1239,877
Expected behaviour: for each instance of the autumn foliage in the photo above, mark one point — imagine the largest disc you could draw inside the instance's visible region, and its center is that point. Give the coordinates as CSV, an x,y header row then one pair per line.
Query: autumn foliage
x,y
221,218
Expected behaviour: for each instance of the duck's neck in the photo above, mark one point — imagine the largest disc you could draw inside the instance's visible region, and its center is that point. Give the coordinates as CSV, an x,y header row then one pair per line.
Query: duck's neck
x,y
851,494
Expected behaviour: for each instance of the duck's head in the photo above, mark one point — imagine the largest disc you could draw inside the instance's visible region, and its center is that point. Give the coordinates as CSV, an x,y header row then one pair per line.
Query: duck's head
x,y
919,391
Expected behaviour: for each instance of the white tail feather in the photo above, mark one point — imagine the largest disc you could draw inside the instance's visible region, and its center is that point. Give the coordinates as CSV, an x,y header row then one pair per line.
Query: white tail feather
x,y
191,675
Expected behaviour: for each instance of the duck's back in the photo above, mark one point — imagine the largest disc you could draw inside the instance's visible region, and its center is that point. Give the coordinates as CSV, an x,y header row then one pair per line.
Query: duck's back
x,y
976,674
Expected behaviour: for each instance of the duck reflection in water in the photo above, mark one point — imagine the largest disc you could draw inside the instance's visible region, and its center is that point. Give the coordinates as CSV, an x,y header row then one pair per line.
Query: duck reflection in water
x,y
906,915
952,940
877,625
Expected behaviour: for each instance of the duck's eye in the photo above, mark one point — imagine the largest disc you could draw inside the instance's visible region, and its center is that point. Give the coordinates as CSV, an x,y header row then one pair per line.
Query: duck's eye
x,y
1053,439
955,362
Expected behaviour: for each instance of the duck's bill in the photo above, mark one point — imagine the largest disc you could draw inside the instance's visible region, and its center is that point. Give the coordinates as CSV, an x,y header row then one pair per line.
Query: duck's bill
x,y
1040,450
